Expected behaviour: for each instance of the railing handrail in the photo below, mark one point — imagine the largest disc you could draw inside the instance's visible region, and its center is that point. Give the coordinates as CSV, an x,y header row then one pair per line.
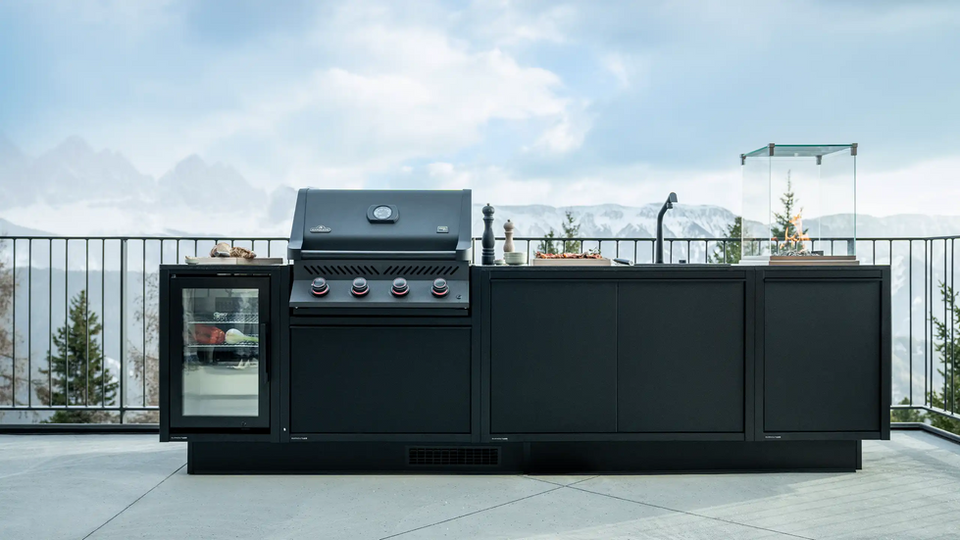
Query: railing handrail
x,y
171,238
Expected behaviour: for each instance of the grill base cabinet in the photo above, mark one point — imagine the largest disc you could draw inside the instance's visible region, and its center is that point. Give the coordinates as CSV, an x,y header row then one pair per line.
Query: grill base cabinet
x,y
650,368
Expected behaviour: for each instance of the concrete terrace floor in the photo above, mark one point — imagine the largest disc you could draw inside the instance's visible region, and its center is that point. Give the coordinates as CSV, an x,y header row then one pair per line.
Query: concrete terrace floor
x,y
130,486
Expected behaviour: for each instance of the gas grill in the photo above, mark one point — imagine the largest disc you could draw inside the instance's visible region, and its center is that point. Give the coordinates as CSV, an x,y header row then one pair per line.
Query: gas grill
x,y
356,250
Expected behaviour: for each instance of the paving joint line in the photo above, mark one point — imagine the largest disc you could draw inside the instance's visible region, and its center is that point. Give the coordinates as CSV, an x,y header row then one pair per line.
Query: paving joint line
x,y
556,483
135,501
475,512
731,522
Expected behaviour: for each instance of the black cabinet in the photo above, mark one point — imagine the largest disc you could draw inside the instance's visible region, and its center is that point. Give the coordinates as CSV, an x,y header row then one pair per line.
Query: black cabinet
x,y
681,356
220,343
823,356
349,380
553,357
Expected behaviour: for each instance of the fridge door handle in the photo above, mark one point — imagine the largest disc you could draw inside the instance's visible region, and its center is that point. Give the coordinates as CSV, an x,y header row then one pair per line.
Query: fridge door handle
x,y
264,353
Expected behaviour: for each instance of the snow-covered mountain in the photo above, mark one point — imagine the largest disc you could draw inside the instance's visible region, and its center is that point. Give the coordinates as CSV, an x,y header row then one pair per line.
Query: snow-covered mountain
x,y
75,190
612,220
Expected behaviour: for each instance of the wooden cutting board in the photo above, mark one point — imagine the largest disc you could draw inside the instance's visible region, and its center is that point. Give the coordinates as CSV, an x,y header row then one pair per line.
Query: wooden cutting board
x,y
572,262
234,260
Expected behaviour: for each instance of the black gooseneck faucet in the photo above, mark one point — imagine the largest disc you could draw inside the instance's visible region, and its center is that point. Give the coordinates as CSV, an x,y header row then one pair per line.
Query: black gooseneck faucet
x,y
672,198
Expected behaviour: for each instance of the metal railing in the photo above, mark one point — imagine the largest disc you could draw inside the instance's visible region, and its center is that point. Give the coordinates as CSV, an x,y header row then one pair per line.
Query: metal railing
x,y
46,365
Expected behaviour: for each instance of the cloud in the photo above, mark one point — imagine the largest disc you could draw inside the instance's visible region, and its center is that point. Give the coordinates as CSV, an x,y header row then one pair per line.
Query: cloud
x,y
629,185
401,93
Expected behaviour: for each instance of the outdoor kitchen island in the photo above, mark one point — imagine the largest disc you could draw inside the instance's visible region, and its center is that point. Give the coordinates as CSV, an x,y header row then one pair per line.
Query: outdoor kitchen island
x,y
629,369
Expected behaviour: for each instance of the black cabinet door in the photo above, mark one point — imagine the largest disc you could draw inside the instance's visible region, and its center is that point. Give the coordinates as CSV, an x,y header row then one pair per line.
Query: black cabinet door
x,y
380,380
822,356
553,357
681,356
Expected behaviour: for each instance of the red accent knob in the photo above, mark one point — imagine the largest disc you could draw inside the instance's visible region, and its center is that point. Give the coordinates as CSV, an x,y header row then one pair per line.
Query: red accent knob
x,y
399,287
440,288
319,287
359,287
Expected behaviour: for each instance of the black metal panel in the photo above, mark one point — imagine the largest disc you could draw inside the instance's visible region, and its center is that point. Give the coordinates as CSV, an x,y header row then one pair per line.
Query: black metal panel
x,y
822,361
542,458
337,224
681,356
553,364
388,380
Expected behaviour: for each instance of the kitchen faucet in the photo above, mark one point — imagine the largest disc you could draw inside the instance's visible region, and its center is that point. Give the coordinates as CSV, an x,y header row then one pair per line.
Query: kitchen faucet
x,y
672,198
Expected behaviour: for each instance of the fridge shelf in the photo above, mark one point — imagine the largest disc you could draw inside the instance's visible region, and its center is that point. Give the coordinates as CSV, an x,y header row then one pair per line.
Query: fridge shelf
x,y
219,317
222,345
212,322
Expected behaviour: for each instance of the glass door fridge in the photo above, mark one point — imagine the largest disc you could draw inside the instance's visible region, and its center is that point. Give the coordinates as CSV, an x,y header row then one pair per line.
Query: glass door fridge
x,y
218,355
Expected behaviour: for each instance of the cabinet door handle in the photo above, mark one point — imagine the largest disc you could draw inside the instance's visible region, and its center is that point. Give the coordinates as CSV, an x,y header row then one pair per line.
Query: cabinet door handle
x,y
264,353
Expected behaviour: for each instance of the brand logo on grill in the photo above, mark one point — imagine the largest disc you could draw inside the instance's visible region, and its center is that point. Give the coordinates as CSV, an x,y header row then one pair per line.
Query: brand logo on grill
x,y
443,229
320,229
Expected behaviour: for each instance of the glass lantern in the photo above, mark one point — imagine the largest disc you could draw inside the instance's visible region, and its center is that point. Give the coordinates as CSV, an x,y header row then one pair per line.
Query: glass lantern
x,y
799,200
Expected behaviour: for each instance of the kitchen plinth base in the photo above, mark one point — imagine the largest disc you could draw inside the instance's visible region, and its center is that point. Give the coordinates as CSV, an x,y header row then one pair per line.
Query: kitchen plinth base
x,y
531,458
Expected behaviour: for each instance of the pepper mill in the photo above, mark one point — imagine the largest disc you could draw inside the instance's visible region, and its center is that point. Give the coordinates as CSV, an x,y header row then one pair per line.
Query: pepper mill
x,y
508,233
487,252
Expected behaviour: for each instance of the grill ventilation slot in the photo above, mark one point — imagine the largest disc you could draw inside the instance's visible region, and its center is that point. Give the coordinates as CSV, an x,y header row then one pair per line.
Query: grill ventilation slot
x,y
341,270
453,455
421,270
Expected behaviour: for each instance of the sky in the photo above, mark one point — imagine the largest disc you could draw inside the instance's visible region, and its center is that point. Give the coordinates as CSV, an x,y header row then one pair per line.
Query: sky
x,y
524,102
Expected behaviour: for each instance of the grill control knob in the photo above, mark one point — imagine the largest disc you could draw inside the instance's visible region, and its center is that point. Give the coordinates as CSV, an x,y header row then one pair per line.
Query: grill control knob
x,y
359,287
399,287
440,288
319,287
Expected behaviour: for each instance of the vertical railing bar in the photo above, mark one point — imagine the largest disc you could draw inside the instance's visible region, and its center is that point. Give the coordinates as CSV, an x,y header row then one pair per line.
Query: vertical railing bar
x,y
66,319
143,322
945,302
103,335
950,365
13,381
86,321
30,323
50,321
910,312
123,326
926,324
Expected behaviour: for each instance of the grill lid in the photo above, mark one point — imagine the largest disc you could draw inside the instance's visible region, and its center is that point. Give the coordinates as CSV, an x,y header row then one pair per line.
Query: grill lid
x,y
381,224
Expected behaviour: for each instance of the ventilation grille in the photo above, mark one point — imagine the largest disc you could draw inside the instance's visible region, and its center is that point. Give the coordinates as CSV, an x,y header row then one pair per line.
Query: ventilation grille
x,y
422,270
452,456
340,270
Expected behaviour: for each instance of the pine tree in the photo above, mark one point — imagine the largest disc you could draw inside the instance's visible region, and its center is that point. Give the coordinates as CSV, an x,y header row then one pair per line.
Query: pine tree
x,y
571,229
946,343
546,245
783,227
730,252
76,371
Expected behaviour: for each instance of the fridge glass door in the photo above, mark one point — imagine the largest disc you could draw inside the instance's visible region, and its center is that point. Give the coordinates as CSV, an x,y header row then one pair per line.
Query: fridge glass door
x,y
221,373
